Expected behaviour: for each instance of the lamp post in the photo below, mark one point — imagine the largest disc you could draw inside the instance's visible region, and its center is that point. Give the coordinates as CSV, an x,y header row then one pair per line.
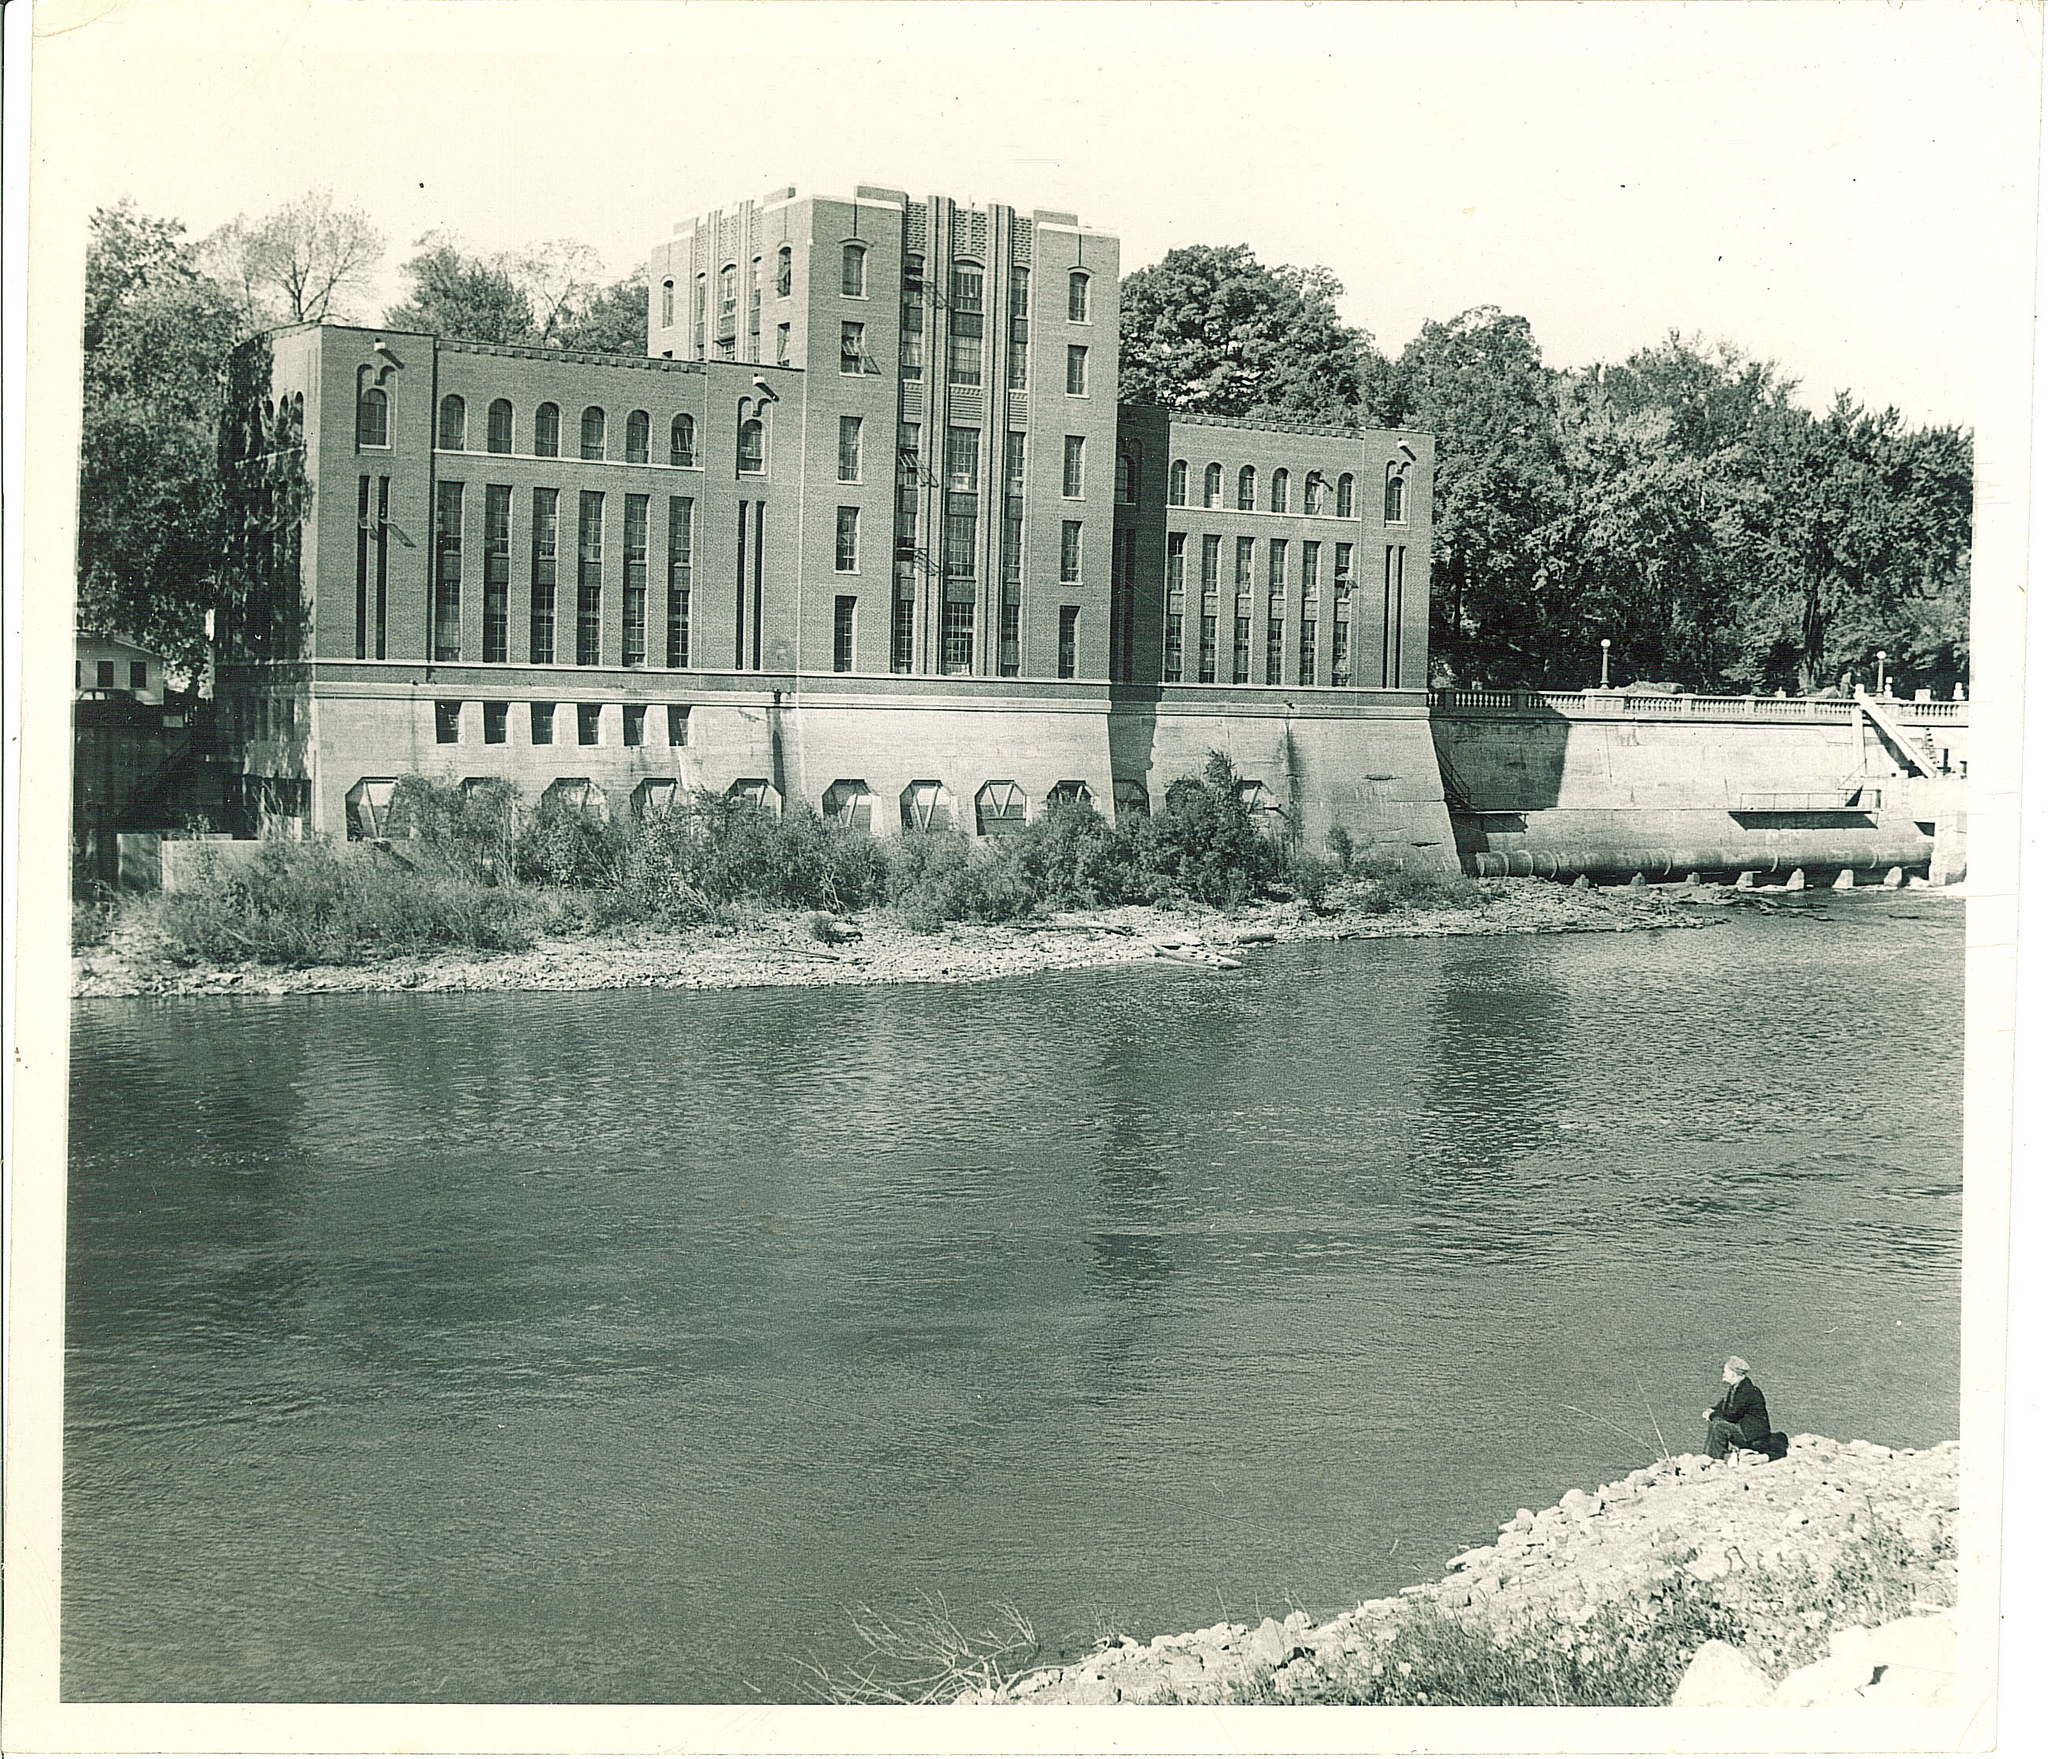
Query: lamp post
x,y
1880,672
1605,644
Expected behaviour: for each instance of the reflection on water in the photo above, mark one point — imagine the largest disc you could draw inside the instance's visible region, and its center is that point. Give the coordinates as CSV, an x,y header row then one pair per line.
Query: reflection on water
x,y
608,1346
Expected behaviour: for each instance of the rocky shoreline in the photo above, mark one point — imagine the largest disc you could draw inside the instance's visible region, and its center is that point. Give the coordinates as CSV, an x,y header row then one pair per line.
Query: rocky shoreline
x,y
781,949
1806,1555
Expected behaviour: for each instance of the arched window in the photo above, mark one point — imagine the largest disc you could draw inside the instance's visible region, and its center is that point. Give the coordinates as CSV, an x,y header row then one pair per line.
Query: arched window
x,y
682,441
547,431
637,426
1344,506
1397,495
1127,475
498,427
1279,496
1177,484
1077,297
593,432
1212,486
1247,490
668,304
454,423
373,418
298,418
782,273
752,455
853,271
1312,493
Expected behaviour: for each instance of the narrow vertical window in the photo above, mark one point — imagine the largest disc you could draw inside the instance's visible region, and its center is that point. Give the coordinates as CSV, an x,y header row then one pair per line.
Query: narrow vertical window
x,y
1391,617
373,418
1070,640
752,458
447,723
495,714
454,423
637,436
963,346
782,345
547,431
1312,493
1020,293
1070,552
1279,495
782,273
681,508
754,309
541,722
1345,496
699,303
852,346
853,271
498,426
1019,377
668,305
633,724
1276,606
1177,484
633,625
1311,609
682,442
448,572
383,556
846,542
678,724
546,532
1397,495
1077,370
497,571
589,576
362,568
1212,568
1126,477
842,632
1176,602
1212,486
589,719
849,448
1247,490
1077,297
593,433
1073,467
903,618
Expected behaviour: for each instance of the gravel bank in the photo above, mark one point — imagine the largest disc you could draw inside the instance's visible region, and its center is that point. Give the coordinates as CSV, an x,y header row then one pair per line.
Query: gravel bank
x,y
779,949
1791,1531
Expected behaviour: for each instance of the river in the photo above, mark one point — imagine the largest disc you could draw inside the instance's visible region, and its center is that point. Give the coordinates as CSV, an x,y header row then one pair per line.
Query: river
x,y
612,1346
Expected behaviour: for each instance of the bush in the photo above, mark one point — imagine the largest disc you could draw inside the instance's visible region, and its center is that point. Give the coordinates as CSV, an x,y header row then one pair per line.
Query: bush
x,y
1376,888
1203,842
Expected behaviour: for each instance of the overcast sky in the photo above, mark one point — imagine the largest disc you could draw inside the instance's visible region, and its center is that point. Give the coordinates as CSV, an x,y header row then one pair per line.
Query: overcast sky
x,y
1803,181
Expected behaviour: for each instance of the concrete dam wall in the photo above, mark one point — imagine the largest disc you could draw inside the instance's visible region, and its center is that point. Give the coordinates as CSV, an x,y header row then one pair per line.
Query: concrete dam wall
x,y
1609,785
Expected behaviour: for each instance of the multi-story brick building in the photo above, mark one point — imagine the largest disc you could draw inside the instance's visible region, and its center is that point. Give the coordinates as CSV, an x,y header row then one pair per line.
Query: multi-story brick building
x,y
866,528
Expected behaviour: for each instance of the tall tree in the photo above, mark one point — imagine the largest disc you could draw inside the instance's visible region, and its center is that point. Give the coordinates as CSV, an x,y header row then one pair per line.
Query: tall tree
x,y
543,297
150,509
612,321
309,262
453,294
1211,329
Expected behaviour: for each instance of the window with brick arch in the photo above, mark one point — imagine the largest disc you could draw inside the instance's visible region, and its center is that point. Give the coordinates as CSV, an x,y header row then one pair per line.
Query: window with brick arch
x,y
547,431
454,423
1345,496
593,432
1247,490
1279,495
498,426
1177,484
637,434
682,442
1212,486
782,273
853,271
1397,495
1077,297
373,418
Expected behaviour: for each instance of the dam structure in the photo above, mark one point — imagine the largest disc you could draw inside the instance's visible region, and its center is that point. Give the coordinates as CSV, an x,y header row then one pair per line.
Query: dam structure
x,y
867,528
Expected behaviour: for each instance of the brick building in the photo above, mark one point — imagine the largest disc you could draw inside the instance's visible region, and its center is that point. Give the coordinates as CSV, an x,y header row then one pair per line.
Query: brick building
x,y
866,528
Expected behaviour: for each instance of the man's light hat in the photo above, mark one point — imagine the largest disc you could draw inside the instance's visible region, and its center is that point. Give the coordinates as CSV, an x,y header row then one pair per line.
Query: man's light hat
x,y
1738,1365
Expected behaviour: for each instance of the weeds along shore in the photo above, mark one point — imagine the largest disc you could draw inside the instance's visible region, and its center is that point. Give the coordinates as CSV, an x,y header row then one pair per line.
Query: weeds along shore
x,y
1604,1599
476,890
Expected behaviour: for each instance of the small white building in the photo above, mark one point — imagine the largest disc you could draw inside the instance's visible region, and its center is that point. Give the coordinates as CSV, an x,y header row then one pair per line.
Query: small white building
x,y
112,670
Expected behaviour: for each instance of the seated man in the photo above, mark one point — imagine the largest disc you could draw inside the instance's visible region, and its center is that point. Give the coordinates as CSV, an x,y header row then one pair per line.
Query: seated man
x,y
1740,1419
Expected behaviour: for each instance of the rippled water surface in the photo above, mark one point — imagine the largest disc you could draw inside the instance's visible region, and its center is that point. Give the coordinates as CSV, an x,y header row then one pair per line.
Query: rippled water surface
x,y
611,1346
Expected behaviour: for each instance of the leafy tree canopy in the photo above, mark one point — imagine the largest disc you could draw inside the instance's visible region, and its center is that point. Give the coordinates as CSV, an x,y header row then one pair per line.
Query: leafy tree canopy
x,y
1211,329
547,296
307,263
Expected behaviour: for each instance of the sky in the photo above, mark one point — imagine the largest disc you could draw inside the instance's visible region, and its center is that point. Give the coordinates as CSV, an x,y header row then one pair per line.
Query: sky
x,y
1807,182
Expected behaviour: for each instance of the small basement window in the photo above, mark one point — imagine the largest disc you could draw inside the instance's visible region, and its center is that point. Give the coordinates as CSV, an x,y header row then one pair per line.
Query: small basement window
x,y
447,722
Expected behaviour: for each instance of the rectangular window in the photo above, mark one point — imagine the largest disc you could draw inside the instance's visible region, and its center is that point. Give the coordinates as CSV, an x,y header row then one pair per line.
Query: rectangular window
x,y
680,511
1176,561
1070,552
967,288
956,628
678,724
1390,628
633,629
497,571
912,366
1276,630
1244,564
495,714
587,722
1207,658
963,475
447,722
633,723
1241,647
852,347
1340,652
903,619
448,572
546,531
362,568
1276,565
1020,363
543,723
908,446
849,448
138,674
754,309
963,349
1070,640
1212,563
1311,567
842,632
963,460
1308,650
1343,571
1073,467
846,542
1176,601
383,552
782,345
589,576
1077,370
1010,639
